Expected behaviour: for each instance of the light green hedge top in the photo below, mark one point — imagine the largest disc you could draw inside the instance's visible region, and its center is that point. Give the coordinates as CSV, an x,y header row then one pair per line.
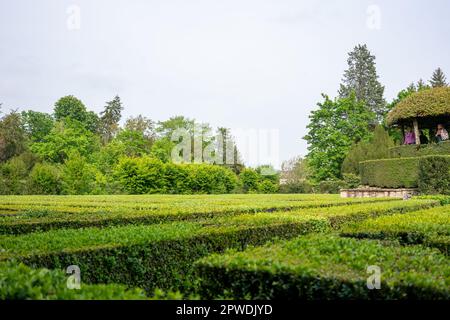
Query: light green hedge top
x,y
427,103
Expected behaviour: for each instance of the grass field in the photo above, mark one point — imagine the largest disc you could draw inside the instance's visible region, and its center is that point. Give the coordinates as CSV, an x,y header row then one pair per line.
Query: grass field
x,y
232,246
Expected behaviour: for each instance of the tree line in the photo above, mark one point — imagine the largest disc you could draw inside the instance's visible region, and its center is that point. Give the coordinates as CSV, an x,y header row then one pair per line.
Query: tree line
x,y
77,151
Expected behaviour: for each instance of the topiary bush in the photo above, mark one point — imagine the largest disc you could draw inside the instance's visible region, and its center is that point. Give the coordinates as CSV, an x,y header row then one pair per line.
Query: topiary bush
x,y
434,175
390,173
442,148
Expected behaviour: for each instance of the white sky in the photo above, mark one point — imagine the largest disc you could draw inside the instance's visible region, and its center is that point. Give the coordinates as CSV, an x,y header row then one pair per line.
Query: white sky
x,y
247,64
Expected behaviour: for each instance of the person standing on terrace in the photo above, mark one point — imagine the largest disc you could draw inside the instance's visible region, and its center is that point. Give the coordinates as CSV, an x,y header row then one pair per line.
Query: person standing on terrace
x,y
441,133
410,137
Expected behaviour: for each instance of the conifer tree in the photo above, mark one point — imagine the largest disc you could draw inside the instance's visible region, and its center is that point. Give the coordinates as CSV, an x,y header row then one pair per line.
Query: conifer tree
x,y
361,77
109,120
438,79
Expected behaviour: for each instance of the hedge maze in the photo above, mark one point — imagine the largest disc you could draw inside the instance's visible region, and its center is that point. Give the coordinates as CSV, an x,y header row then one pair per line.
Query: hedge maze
x,y
232,246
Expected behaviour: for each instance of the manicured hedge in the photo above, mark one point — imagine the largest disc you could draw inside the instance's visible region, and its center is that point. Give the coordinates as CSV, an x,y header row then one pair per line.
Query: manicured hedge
x,y
390,173
434,175
148,175
162,255
61,216
428,227
19,282
325,267
412,150
430,173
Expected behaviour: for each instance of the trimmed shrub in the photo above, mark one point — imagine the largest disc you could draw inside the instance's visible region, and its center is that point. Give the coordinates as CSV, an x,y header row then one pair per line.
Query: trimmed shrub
x,y
390,173
325,267
27,219
249,179
442,148
162,255
332,186
297,187
434,175
19,282
428,227
150,175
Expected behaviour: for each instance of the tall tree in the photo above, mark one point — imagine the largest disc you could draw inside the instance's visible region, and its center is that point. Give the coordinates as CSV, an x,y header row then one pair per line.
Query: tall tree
x,y
13,140
70,107
109,119
227,151
37,124
361,77
438,79
332,130
143,125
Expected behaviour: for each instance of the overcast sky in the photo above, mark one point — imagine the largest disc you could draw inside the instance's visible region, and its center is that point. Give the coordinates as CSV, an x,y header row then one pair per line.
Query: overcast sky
x,y
244,64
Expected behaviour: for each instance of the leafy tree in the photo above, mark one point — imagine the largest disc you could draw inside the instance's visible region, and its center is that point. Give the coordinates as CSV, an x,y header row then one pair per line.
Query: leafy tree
x,y
250,180
37,124
66,137
134,143
45,179
109,119
70,107
227,152
78,175
162,149
143,125
13,140
362,79
295,170
375,148
332,130
13,176
438,79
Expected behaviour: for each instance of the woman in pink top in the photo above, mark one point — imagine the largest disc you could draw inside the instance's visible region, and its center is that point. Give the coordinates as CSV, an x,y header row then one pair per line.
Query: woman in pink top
x,y
410,137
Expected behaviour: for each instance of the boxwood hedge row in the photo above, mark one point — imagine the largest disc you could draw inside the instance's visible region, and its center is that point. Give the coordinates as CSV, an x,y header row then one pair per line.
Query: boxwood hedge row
x,y
162,255
413,150
325,267
428,227
430,173
33,220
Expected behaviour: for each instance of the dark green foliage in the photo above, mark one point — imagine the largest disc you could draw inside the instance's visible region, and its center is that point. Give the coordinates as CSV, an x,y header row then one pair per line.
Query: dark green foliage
x,y
332,130
390,173
153,256
71,108
325,267
37,124
13,139
19,282
426,227
434,175
438,79
352,180
376,148
45,179
331,186
426,103
109,119
362,79
442,148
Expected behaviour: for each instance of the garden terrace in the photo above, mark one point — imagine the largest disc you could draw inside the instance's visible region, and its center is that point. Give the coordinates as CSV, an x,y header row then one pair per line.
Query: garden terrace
x,y
162,255
325,267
